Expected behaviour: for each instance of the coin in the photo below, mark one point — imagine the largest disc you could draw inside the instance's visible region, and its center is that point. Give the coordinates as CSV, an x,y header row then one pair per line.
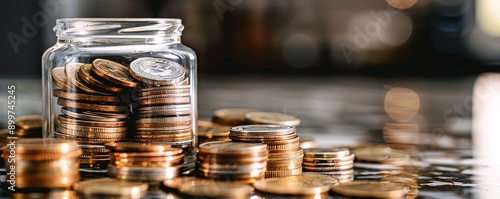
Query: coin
x,y
326,152
84,97
374,189
40,145
176,183
120,188
328,169
73,121
79,115
307,142
142,147
329,160
29,122
85,74
297,185
222,147
259,130
283,173
165,99
157,71
92,107
231,116
163,90
113,72
61,80
271,118
381,154
71,71
216,189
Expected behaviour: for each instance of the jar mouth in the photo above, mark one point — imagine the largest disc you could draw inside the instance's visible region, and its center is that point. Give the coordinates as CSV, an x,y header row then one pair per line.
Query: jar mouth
x,y
118,27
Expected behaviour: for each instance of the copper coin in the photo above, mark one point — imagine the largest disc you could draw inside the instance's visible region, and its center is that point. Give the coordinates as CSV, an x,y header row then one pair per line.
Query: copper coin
x,y
231,116
69,120
85,74
61,80
283,173
87,134
106,114
29,122
92,107
166,100
84,97
79,115
142,147
163,139
163,128
184,131
113,72
271,118
260,130
71,71
163,120
164,90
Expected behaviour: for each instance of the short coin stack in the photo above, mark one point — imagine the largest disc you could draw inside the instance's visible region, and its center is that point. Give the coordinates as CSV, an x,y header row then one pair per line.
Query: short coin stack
x,y
94,160
144,162
232,161
163,99
92,113
337,162
42,164
285,155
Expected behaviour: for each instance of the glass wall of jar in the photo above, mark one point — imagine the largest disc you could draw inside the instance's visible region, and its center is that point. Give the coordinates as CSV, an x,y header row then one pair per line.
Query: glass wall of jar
x,y
110,80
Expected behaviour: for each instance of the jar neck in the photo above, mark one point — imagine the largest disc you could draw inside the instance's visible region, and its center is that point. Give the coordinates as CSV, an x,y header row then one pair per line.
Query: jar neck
x,y
119,41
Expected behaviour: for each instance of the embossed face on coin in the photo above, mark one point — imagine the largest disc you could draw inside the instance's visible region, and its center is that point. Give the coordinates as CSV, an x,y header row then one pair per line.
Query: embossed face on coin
x,y
158,71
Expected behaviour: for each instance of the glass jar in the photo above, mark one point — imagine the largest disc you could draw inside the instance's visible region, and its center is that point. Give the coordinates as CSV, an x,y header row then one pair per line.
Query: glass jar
x,y
110,80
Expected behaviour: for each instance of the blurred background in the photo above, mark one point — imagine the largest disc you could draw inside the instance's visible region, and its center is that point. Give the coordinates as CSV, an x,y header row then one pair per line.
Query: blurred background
x,y
335,38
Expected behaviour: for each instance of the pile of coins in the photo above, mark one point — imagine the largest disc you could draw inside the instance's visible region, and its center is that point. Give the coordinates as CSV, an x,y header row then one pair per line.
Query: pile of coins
x,y
232,161
37,163
337,162
164,112
144,162
285,155
209,132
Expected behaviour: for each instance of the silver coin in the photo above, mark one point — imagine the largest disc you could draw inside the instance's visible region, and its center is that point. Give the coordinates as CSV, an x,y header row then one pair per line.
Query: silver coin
x,y
261,130
158,71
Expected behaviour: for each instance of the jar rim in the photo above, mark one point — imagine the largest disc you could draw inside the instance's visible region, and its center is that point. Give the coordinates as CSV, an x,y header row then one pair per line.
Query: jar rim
x,y
119,19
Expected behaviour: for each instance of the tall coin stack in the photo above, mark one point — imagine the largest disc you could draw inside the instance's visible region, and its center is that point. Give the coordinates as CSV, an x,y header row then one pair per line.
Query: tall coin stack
x,y
38,163
144,162
163,102
285,155
337,162
92,112
232,161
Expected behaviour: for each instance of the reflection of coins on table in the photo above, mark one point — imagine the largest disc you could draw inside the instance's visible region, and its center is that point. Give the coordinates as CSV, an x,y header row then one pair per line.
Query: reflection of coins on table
x,y
374,189
112,188
297,185
381,154
216,190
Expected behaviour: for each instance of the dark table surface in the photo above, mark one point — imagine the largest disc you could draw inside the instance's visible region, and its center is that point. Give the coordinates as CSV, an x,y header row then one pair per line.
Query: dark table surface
x,y
348,111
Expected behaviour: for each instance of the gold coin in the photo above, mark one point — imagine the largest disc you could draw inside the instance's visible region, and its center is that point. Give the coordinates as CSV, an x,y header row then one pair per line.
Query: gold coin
x,y
119,188
85,74
71,71
29,122
381,154
326,152
239,148
374,189
216,189
271,118
114,72
297,185
68,120
288,154
66,194
91,129
230,159
231,116
61,80
164,119
348,158
41,145
334,164
142,147
87,140
84,97
402,4
328,169
90,134
47,182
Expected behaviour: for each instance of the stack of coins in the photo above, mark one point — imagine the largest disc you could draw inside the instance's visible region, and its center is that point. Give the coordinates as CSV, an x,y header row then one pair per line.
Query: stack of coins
x,y
231,116
271,118
232,161
209,132
163,99
94,160
144,162
285,155
89,94
337,162
38,163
